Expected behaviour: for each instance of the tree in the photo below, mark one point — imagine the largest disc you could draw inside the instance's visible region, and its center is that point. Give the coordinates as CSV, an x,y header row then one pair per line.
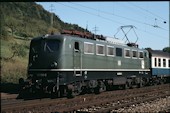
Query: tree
x,y
3,32
166,49
11,23
17,50
148,48
52,30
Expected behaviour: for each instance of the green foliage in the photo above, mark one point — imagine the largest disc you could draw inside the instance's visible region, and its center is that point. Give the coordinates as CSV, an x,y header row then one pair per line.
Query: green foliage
x,y
166,49
11,24
3,32
28,19
148,48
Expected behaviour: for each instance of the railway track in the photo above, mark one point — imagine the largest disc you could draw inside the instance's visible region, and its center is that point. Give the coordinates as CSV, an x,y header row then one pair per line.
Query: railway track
x,y
5,96
118,103
104,102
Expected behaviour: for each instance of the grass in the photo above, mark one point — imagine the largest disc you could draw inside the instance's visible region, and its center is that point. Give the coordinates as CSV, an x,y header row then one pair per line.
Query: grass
x,y
6,44
12,70
5,49
15,68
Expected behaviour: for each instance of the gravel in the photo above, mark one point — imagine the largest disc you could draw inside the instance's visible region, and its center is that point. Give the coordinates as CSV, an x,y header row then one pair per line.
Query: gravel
x,y
158,105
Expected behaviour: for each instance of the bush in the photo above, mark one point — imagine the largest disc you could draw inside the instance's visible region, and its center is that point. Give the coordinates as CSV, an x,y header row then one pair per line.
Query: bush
x,y
18,50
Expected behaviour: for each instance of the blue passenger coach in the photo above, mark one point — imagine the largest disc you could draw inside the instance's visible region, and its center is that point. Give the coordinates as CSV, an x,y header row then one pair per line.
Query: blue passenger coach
x,y
160,63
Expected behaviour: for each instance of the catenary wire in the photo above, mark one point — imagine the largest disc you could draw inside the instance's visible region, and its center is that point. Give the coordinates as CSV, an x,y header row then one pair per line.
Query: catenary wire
x,y
137,21
147,11
106,18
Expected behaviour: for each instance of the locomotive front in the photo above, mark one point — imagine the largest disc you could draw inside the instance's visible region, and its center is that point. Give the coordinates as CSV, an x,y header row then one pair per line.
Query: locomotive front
x,y
44,54
44,59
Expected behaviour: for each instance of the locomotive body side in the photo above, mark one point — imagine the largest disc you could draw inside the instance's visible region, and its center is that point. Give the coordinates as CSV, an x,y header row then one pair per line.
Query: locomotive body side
x,y
85,60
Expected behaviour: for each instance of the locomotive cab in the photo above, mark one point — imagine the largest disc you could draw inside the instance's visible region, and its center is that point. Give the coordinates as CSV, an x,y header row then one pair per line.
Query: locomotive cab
x,y
45,57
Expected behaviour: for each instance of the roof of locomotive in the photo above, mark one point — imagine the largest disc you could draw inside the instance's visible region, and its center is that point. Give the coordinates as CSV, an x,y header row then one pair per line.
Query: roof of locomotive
x,y
60,37
102,42
70,37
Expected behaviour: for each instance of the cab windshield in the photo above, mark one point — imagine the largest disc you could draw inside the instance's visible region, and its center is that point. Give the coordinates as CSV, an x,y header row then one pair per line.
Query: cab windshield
x,y
51,46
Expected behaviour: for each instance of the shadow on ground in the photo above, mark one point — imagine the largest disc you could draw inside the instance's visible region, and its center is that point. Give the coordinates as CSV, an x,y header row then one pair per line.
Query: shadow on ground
x,y
9,88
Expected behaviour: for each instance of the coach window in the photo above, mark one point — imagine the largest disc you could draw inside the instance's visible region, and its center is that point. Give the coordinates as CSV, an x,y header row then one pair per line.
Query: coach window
x,y
110,51
134,54
159,62
88,48
169,63
119,52
127,53
140,54
164,62
155,62
99,49
76,46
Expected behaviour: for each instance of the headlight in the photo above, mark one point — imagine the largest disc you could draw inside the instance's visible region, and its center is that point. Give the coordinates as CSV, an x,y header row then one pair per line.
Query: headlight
x,y
30,65
54,64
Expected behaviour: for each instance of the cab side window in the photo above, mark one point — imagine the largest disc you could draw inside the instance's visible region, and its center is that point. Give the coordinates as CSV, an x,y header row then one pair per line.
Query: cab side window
x,y
76,46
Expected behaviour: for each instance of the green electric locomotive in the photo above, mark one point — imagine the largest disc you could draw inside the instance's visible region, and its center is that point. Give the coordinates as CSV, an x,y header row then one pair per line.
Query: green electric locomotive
x,y
68,64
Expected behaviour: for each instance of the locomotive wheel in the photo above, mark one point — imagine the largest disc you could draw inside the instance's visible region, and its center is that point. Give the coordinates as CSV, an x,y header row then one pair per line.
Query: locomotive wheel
x,y
109,87
141,84
72,94
77,92
126,86
73,91
61,92
58,93
161,81
100,88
